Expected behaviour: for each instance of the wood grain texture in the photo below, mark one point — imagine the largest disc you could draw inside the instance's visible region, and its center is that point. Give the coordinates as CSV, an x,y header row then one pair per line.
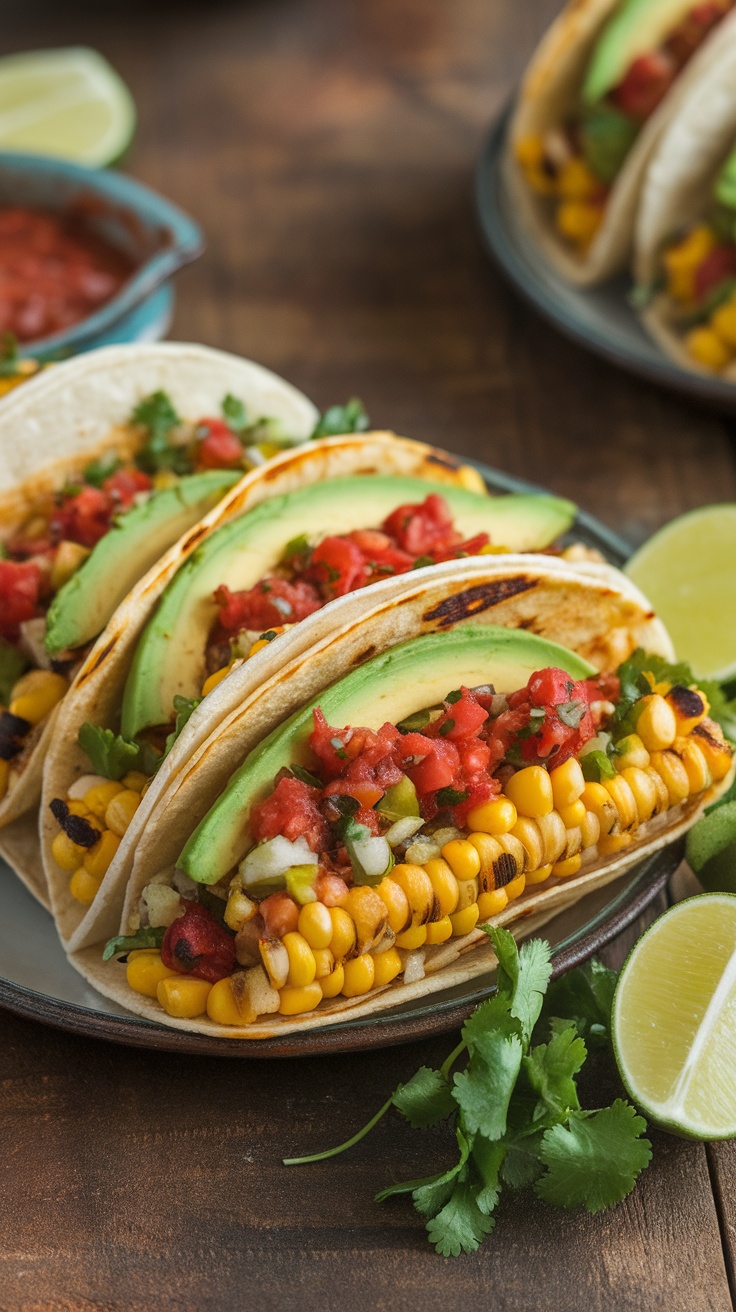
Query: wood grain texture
x,y
328,148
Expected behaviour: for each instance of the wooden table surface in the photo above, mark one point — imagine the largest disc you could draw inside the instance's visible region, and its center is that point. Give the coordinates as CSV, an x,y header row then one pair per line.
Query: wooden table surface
x,y
328,148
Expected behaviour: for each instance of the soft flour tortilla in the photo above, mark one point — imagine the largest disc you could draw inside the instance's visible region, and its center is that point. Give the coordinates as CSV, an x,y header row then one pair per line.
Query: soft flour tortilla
x,y
96,693
75,411
549,93
678,190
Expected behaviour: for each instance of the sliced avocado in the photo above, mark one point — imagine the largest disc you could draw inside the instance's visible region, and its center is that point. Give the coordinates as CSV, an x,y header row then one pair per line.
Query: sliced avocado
x,y
170,657
80,610
725,189
404,679
636,28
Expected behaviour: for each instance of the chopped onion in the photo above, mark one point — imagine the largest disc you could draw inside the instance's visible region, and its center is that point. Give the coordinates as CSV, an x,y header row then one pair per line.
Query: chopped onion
x,y
413,967
446,835
82,785
183,884
374,856
403,829
499,704
269,861
424,849
162,904
32,644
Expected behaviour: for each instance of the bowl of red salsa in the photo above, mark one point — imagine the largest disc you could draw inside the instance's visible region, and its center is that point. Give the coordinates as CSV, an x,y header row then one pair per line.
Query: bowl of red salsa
x,y
82,251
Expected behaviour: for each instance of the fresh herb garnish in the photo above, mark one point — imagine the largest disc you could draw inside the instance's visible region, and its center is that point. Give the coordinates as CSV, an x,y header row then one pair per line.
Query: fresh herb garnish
x,y
297,551
98,470
306,776
422,561
514,1113
597,766
722,699
112,755
234,413
454,696
571,713
446,727
148,937
451,796
413,723
185,708
158,416
350,418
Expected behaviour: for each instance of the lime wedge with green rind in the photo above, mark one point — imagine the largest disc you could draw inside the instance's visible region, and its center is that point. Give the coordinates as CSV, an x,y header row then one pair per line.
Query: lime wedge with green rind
x,y
687,572
673,1023
67,102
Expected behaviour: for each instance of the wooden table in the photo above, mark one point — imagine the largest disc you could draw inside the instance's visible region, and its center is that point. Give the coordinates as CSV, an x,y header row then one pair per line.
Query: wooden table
x,y
328,148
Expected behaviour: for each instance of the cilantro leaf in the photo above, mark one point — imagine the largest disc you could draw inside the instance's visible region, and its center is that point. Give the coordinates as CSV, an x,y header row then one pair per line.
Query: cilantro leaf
x,y
234,413
111,754
148,937
585,997
350,418
488,1157
595,1159
597,766
523,975
571,713
185,708
431,1193
461,1225
12,665
521,1164
551,1069
483,1090
158,416
425,1099
98,470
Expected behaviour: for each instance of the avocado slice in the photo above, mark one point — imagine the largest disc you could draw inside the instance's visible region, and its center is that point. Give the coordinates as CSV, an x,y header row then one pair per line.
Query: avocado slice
x,y
170,655
405,679
636,28
80,610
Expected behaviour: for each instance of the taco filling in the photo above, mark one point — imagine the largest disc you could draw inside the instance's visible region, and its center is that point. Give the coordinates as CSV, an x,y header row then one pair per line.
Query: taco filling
x,y
637,58
341,857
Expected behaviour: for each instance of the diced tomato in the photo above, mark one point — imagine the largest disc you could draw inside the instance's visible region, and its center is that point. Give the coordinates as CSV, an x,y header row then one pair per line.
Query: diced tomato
x,y
219,447
337,566
419,529
718,266
370,541
461,718
331,889
280,915
270,603
83,518
194,944
20,587
292,810
125,485
549,687
645,84
439,769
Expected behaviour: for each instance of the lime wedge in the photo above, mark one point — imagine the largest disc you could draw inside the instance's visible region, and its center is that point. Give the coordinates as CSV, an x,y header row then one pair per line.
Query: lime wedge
x,y
687,572
66,102
674,1019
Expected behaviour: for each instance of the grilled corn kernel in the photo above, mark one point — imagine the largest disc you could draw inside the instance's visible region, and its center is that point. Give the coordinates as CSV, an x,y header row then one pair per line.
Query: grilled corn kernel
x,y
656,725
597,800
4,777
672,771
567,783
539,876
530,790
690,706
660,790
144,973
467,894
69,556
120,811
343,933
716,751
36,694
681,260
723,322
570,866
530,836
515,887
386,966
97,859
275,959
489,904
631,751
414,937
359,976
696,766
76,807
643,790
462,858
83,886
239,910
295,999
438,931
708,348
324,962
464,922
67,854
96,799
136,780
529,150
418,888
369,915
574,841
623,799
590,829
396,903
302,966
554,835
228,1005
332,984
579,220
315,925
514,848
576,182
496,868
495,817
446,888
608,844
213,679
573,815
183,996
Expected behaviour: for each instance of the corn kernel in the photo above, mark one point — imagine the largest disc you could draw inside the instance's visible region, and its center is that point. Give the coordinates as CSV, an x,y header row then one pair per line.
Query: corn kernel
x,y
554,835
608,844
576,182
136,780
96,799
386,965
597,800
302,966
570,866
529,835
682,259
446,888
83,886
515,887
630,751
489,904
412,938
315,924
643,791
360,973
690,706
36,694
464,922
295,999
672,771
120,811
438,931
225,1007
396,903
332,984
656,724
529,150
495,868
67,854
717,753
324,963
495,817
239,910
624,801
723,322
182,996
98,859
567,783
579,220
144,973
539,876
213,679
660,790
706,347
462,858
530,790
343,933
572,816
696,766
69,556
368,913
417,886
467,893
590,829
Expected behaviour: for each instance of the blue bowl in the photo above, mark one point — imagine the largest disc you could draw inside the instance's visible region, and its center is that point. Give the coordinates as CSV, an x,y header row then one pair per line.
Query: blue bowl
x,y
157,236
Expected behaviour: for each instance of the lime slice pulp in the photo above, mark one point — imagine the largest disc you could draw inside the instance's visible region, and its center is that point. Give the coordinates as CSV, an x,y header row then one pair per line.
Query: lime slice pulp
x,y
674,1019
67,102
687,572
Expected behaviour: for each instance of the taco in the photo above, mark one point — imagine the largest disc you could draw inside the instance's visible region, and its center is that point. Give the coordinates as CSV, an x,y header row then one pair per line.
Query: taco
x,y
593,105
309,535
456,771
685,241
104,463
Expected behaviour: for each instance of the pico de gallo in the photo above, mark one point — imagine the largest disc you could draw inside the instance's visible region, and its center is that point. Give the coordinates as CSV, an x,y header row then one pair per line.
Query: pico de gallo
x,y
389,843
576,162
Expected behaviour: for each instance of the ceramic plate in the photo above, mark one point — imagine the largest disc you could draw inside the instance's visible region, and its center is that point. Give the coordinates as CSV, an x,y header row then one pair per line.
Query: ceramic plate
x,y
37,981
599,318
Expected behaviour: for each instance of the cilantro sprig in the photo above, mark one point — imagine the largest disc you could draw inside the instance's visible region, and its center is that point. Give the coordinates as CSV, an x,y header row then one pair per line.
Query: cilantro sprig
x,y
156,414
514,1109
339,419
112,755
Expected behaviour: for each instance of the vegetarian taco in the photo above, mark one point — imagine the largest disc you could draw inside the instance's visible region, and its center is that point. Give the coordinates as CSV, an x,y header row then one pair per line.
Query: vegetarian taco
x,y
596,98
685,243
305,540
456,771
104,463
